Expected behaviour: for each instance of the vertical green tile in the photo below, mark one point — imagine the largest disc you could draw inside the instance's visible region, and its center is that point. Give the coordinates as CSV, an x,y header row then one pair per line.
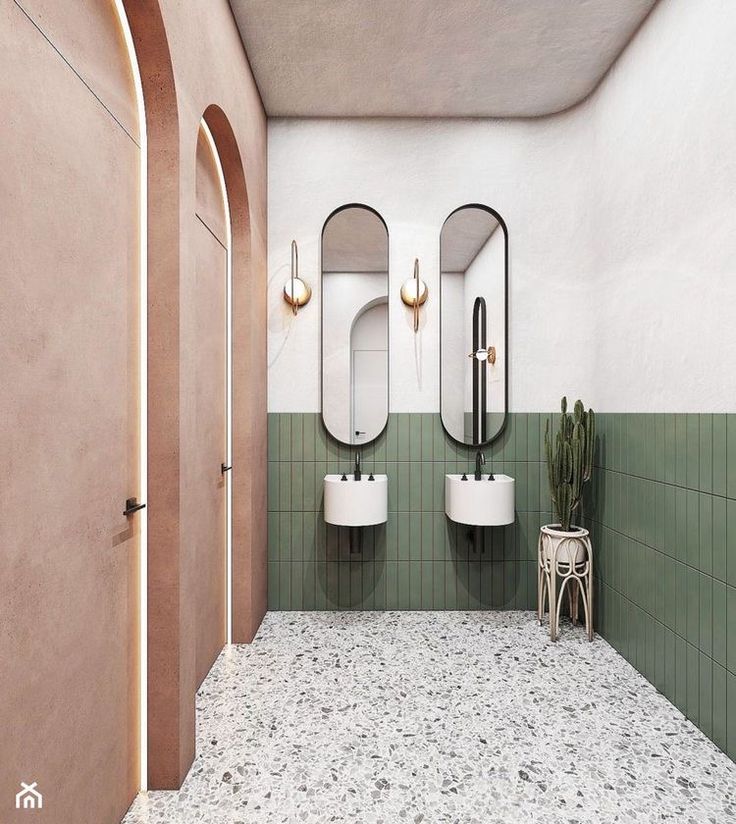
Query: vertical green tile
x,y
404,585
681,449
670,521
379,586
693,605
706,615
309,497
284,486
392,537
731,628
274,602
427,536
427,585
392,584
669,664
297,437
463,598
404,537
720,455
273,436
731,541
705,518
438,585
284,437
309,424
273,486
415,535
332,599
670,449
403,428
533,446
693,684
720,622
451,599
309,587
681,525
693,451
356,584
705,459
368,586
415,437
705,695
438,485
309,537
320,441
682,599
731,716
438,439
273,536
718,527
392,438
427,485
404,488
650,446
731,455
296,569
659,451
720,727
415,486
284,595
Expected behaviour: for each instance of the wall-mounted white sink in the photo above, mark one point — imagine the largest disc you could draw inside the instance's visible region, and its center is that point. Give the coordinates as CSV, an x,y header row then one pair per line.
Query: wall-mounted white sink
x,y
356,503
480,503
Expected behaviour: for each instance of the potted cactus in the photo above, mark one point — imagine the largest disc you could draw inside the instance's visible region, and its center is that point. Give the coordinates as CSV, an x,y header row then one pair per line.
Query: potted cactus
x,y
569,468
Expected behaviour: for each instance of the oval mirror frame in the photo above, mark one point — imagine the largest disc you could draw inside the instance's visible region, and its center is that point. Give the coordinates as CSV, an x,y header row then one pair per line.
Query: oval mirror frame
x,y
491,425
354,435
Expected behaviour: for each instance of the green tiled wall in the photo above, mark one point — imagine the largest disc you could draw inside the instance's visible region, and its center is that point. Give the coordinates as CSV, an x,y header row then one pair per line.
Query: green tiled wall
x,y
663,507
418,559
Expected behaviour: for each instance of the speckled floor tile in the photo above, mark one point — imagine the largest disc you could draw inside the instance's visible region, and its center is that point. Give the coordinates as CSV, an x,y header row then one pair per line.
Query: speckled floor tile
x,y
438,717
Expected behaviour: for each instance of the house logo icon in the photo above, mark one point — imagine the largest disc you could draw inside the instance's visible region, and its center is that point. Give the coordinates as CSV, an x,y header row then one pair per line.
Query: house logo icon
x,y
29,798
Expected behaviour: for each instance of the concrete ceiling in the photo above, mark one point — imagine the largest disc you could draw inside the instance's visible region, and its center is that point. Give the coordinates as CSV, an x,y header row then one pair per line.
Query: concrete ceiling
x,y
432,58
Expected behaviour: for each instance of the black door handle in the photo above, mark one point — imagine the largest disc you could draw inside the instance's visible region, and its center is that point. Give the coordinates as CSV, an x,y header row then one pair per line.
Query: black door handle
x,y
132,505
225,468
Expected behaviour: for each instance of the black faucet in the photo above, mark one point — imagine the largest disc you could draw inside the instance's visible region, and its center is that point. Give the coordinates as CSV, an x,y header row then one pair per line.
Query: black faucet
x,y
356,472
480,460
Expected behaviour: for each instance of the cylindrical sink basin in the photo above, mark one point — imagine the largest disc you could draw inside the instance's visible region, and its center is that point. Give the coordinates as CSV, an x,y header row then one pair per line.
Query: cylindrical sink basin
x,y
356,503
480,503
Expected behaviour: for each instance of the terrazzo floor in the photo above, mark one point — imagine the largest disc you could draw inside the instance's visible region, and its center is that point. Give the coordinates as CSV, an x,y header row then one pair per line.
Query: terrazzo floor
x,y
438,717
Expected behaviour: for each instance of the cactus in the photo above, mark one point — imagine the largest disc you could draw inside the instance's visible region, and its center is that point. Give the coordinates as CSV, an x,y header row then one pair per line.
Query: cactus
x,y
570,460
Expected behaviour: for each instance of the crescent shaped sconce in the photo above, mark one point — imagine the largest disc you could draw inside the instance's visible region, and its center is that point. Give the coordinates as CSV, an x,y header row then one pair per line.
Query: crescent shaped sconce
x,y
296,291
414,293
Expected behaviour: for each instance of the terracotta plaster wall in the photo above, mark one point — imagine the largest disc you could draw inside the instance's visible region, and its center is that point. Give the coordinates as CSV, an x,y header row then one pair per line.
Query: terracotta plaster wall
x,y
68,414
91,89
212,78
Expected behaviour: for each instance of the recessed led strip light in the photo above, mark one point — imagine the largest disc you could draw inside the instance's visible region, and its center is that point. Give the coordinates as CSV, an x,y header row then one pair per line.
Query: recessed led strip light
x,y
143,399
228,384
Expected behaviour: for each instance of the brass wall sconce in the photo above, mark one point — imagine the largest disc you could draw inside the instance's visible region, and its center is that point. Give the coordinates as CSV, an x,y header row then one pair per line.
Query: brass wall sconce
x,y
414,293
296,292
487,355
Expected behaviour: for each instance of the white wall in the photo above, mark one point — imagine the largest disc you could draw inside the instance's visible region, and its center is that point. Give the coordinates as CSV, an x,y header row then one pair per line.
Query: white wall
x,y
622,229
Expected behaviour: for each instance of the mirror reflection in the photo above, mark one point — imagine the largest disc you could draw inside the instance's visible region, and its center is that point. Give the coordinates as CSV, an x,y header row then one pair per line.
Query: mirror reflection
x,y
355,325
473,249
